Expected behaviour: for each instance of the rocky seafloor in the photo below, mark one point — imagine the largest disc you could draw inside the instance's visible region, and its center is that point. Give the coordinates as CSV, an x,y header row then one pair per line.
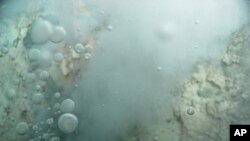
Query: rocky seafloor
x,y
43,60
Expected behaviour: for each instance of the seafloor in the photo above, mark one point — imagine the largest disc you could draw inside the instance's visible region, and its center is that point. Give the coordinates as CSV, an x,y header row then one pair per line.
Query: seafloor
x,y
46,94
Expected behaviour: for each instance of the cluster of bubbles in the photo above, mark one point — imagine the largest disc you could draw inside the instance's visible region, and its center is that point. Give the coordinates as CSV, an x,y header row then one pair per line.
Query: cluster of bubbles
x,y
42,31
63,121
67,122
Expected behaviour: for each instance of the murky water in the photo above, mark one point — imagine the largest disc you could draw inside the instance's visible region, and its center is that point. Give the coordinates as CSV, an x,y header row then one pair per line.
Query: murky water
x,y
123,70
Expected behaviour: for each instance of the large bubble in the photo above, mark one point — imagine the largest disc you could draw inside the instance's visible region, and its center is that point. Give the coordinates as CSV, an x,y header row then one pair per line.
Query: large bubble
x,y
67,105
67,123
34,54
37,98
22,128
58,34
41,31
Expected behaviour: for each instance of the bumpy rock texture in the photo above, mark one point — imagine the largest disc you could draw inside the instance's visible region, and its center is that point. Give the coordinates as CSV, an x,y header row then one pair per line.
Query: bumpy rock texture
x,y
25,95
213,96
214,91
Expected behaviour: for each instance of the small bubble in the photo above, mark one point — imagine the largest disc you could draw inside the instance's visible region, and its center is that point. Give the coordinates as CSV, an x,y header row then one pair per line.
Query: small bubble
x,y
38,87
190,111
44,75
22,128
10,94
58,57
159,68
87,56
5,50
58,34
57,95
34,54
57,106
67,105
197,22
35,127
37,98
110,27
156,138
45,136
55,139
50,121
79,48
29,77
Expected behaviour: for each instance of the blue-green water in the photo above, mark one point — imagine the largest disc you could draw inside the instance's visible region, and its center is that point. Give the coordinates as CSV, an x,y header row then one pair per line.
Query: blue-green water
x,y
123,70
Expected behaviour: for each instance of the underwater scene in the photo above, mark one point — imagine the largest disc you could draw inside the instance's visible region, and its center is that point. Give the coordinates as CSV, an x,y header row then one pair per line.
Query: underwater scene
x,y
124,70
